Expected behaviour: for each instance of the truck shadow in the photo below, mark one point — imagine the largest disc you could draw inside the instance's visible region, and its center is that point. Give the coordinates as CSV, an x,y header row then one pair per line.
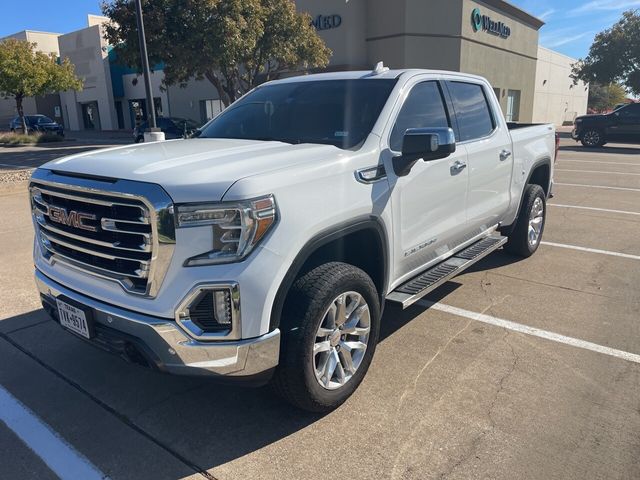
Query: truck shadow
x,y
202,421
606,149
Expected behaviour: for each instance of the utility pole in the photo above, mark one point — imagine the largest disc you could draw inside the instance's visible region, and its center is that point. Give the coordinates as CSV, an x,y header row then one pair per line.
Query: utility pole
x,y
152,133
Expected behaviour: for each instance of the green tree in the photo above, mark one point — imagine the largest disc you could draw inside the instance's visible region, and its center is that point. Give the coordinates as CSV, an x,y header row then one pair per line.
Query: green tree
x,y
235,44
605,97
614,55
26,72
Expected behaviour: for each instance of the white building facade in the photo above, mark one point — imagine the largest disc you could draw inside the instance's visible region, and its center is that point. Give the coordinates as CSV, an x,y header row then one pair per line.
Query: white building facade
x,y
556,98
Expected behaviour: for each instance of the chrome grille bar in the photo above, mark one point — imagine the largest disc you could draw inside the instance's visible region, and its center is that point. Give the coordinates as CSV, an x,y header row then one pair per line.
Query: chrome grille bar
x,y
89,251
104,203
43,224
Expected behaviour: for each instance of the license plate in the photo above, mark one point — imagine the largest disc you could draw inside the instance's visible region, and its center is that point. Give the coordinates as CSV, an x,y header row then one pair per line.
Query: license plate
x,y
74,318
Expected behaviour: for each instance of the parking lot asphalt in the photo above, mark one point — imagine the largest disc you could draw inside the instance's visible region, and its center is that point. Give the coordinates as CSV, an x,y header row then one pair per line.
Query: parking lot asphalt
x,y
515,369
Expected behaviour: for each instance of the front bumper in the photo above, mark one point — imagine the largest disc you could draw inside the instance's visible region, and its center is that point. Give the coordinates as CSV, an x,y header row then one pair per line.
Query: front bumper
x,y
159,343
575,134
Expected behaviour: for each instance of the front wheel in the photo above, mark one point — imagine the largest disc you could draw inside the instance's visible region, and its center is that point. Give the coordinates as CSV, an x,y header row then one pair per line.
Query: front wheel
x,y
592,138
526,236
330,328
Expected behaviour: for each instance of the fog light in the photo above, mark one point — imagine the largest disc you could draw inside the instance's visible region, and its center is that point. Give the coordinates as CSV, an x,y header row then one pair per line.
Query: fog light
x,y
211,311
222,306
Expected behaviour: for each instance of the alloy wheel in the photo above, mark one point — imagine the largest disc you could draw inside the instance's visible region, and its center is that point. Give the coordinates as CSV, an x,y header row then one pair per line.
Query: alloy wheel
x,y
592,138
341,340
536,221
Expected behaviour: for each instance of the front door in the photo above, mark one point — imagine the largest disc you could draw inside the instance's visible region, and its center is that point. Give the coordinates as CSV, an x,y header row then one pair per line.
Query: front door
x,y
428,204
488,146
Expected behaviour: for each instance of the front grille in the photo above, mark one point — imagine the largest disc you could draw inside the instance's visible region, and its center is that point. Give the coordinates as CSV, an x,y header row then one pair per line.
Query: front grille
x,y
102,233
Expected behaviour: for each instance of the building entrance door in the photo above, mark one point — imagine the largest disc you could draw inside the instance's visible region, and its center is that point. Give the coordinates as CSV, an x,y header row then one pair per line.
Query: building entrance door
x,y
91,116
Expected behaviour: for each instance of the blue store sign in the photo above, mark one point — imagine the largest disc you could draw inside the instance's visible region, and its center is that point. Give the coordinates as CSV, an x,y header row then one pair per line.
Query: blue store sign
x,y
484,23
326,22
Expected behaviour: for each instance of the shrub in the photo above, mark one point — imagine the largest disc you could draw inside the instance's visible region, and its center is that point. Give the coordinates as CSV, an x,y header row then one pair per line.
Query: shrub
x,y
19,138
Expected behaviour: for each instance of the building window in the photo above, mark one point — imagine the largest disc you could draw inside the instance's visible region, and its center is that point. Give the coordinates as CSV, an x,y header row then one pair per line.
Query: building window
x,y
513,106
496,90
209,109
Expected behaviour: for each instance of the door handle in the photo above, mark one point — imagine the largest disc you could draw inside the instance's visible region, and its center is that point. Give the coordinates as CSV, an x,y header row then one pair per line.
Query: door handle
x,y
504,154
458,166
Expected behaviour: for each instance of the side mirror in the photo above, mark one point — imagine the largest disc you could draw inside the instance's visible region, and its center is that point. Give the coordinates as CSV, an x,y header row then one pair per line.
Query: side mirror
x,y
426,144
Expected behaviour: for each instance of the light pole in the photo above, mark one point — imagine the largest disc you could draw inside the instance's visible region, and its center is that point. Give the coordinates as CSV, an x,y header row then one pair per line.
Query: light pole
x,y
152,133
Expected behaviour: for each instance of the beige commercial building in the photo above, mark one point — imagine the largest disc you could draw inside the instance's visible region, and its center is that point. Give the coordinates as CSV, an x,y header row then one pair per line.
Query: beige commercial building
x,y
49,105
491,38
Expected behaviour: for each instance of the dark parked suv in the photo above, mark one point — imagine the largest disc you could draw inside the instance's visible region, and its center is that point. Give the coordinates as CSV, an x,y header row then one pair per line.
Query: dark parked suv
x,y
37,123
172,127
621,125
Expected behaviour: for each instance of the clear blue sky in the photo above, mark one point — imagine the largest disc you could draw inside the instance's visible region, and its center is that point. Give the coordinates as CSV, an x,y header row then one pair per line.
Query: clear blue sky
x,y
570,24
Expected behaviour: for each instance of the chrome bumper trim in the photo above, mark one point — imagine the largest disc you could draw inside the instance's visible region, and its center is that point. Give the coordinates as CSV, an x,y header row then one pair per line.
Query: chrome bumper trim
x,y
175,351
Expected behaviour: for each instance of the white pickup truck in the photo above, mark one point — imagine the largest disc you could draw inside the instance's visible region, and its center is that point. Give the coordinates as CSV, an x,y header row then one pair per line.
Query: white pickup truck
x,y
265,249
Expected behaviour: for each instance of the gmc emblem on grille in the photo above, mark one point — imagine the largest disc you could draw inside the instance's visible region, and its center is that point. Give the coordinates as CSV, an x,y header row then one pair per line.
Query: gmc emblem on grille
x,y
72,218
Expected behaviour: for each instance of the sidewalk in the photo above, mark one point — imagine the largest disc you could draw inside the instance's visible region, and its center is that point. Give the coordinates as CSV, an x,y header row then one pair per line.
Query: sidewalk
x,y
98,136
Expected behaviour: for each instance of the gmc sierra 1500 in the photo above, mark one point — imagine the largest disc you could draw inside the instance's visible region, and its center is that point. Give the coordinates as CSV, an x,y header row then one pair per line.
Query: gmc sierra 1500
x,y
265,249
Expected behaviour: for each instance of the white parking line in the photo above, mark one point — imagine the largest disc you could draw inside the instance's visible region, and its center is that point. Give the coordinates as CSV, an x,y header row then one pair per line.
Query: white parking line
x,y
536,332
598,161
592,250
597,186
594,171
608,210
59,456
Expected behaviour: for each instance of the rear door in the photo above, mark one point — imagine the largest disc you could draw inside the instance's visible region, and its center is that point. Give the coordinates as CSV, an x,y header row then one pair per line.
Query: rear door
x,y
486,139
429,204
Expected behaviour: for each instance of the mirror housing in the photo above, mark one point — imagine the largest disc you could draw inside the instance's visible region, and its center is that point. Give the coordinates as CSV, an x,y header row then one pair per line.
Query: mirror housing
x,y
426,144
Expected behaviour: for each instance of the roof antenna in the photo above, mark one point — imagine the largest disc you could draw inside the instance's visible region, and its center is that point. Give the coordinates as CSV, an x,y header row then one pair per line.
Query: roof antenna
x,y
379,69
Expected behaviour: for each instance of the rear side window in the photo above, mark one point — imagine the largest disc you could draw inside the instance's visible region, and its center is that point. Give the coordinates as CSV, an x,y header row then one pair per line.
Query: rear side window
x,y
422,108
472,110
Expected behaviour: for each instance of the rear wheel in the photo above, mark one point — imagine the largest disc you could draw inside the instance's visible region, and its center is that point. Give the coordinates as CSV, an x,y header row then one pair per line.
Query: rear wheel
x,y
592,138
330,328
525,238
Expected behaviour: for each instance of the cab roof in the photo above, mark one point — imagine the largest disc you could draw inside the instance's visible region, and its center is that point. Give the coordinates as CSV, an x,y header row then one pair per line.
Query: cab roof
x,y
371,75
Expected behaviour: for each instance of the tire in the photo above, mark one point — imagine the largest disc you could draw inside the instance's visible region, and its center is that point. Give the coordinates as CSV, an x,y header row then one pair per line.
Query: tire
x,y
309,305
592,138
521,239
139,139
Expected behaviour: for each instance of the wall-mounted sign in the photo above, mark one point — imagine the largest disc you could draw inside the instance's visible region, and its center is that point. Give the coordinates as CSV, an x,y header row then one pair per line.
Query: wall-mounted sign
x,y
484,23
327,22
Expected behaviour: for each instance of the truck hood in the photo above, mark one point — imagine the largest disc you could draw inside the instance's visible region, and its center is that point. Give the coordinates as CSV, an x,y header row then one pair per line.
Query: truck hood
x,y
193,170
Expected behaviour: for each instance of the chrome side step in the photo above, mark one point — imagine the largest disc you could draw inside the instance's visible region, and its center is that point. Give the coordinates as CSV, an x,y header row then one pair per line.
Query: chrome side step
x,y
410,292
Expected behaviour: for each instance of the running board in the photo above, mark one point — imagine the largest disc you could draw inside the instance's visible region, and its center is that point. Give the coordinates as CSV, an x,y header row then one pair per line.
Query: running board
x,y
410,292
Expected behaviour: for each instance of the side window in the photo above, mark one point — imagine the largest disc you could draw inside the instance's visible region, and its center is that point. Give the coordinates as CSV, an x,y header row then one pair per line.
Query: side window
x,y
631,111
472,110
422,108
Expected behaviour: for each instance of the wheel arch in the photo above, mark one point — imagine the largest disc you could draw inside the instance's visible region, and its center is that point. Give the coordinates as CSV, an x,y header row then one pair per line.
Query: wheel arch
x,y
539,174
362,242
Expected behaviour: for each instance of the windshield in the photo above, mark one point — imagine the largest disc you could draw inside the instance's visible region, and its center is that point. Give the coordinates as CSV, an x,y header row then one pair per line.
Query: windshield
x,y
44,120
333,112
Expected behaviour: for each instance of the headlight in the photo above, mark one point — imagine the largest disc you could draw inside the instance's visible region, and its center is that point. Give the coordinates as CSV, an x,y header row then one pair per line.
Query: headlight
x,y
237,227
